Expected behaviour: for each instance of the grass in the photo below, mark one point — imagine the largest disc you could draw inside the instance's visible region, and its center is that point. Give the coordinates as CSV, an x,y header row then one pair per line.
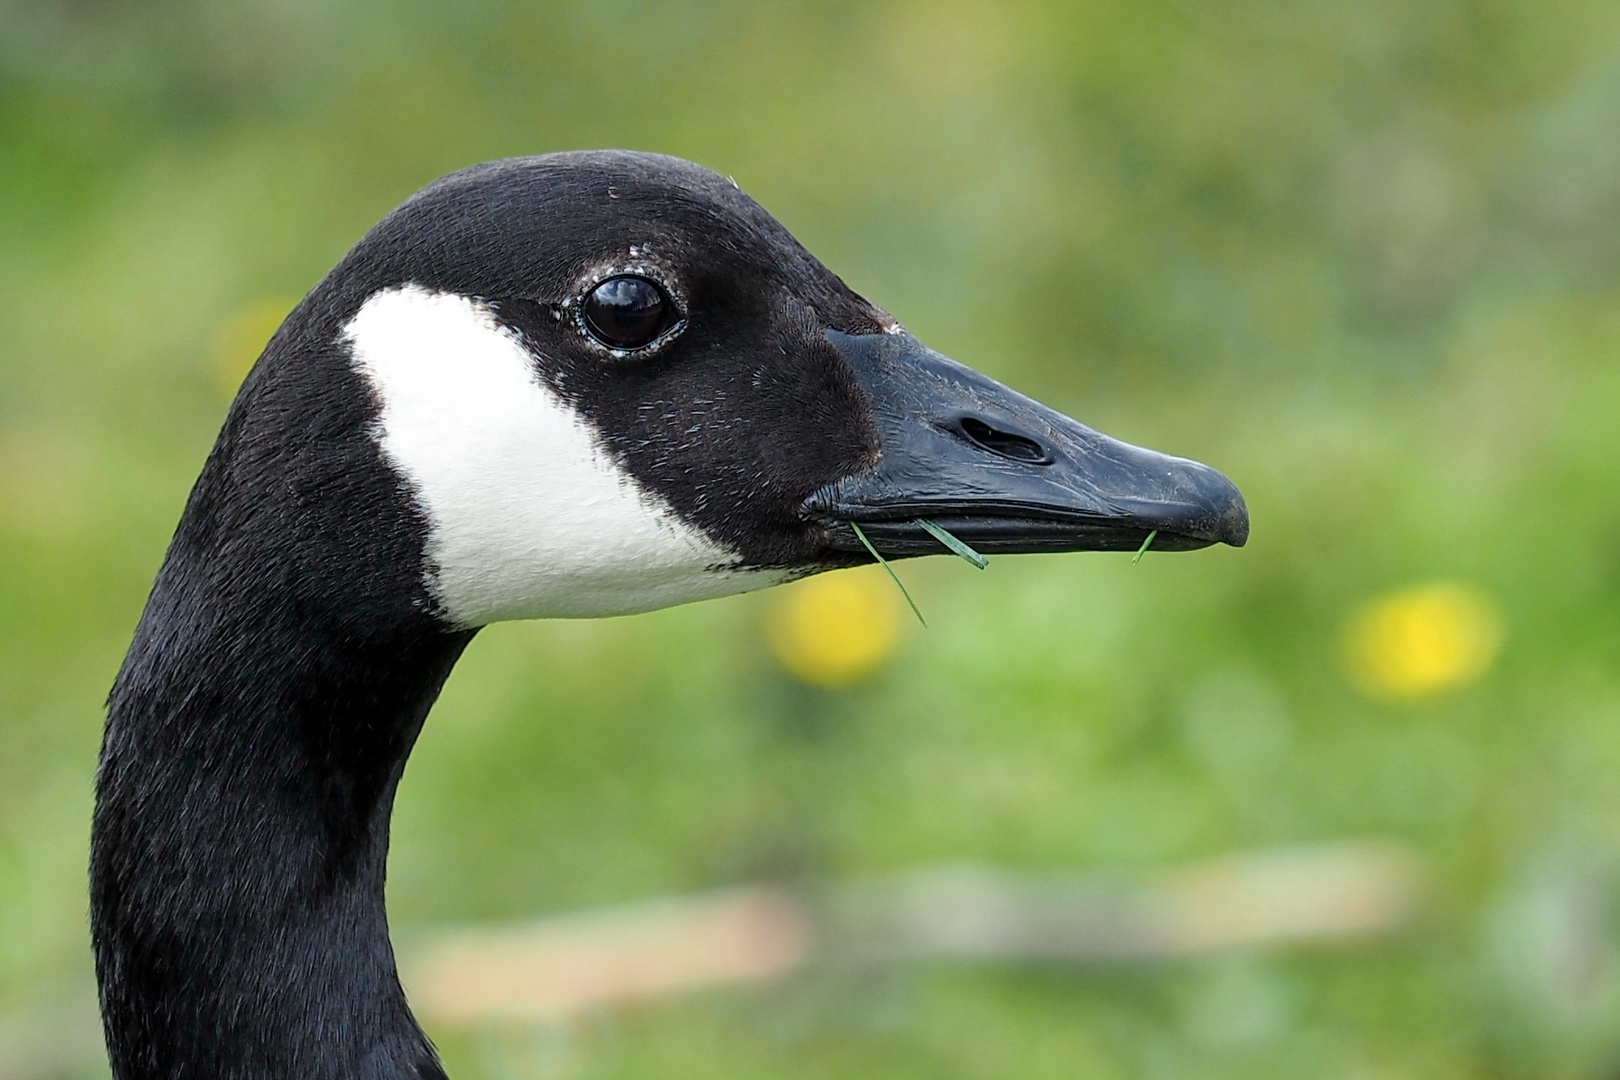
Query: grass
x,y
892,575
955,545
1141,551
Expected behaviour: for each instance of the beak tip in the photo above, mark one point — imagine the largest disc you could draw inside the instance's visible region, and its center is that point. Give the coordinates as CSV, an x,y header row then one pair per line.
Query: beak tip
x,y
1231,517
1233,525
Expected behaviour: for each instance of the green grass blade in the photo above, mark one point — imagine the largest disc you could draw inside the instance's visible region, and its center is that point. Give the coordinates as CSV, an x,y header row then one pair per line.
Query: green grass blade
x,y
1141,551
956,546
895,577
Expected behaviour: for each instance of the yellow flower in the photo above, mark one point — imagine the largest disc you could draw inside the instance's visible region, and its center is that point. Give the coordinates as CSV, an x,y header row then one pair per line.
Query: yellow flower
x,y
837,628
1424,640
242,337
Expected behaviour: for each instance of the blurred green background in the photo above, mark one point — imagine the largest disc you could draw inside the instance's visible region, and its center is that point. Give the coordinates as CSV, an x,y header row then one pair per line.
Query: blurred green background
x,y
1363,257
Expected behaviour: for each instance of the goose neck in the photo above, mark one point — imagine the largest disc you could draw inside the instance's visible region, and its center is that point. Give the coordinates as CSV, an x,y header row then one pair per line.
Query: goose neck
x,y
241,832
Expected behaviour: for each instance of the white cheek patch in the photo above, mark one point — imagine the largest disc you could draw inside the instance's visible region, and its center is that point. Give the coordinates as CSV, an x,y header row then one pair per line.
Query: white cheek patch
x,y
529,517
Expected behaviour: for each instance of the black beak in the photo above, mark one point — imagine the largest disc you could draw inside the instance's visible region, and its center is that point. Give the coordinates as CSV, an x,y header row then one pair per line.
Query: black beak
x,y
1006,474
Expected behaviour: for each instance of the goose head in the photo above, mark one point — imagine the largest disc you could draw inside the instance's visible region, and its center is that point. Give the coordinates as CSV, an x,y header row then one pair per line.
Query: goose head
x,y
612,382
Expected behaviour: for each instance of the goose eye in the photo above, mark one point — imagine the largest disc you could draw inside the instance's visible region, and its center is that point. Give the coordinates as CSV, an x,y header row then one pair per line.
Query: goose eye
x,y
627,312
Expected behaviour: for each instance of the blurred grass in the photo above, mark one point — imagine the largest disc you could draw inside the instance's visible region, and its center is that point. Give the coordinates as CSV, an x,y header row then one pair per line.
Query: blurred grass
x,y
1365,258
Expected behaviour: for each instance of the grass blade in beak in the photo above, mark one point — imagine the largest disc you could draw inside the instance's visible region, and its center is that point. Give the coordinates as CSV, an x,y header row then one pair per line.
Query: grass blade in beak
x,y
895,577
1141,551
956,546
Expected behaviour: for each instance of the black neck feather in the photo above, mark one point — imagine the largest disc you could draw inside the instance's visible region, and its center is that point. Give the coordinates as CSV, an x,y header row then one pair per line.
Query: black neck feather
x,y
255,736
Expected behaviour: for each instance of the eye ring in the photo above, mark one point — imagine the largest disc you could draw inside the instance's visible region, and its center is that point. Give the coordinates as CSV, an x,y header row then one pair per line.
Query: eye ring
x,y
628,312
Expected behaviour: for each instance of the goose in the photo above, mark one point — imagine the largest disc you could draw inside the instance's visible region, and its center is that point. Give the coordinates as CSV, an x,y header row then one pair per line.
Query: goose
x,y
564,386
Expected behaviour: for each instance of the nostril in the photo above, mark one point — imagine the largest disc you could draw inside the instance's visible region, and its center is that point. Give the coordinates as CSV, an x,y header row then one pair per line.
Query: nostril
x,y
1003,443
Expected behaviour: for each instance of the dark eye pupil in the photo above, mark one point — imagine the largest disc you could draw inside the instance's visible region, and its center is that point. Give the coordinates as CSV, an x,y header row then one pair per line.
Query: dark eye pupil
x,y
626,312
